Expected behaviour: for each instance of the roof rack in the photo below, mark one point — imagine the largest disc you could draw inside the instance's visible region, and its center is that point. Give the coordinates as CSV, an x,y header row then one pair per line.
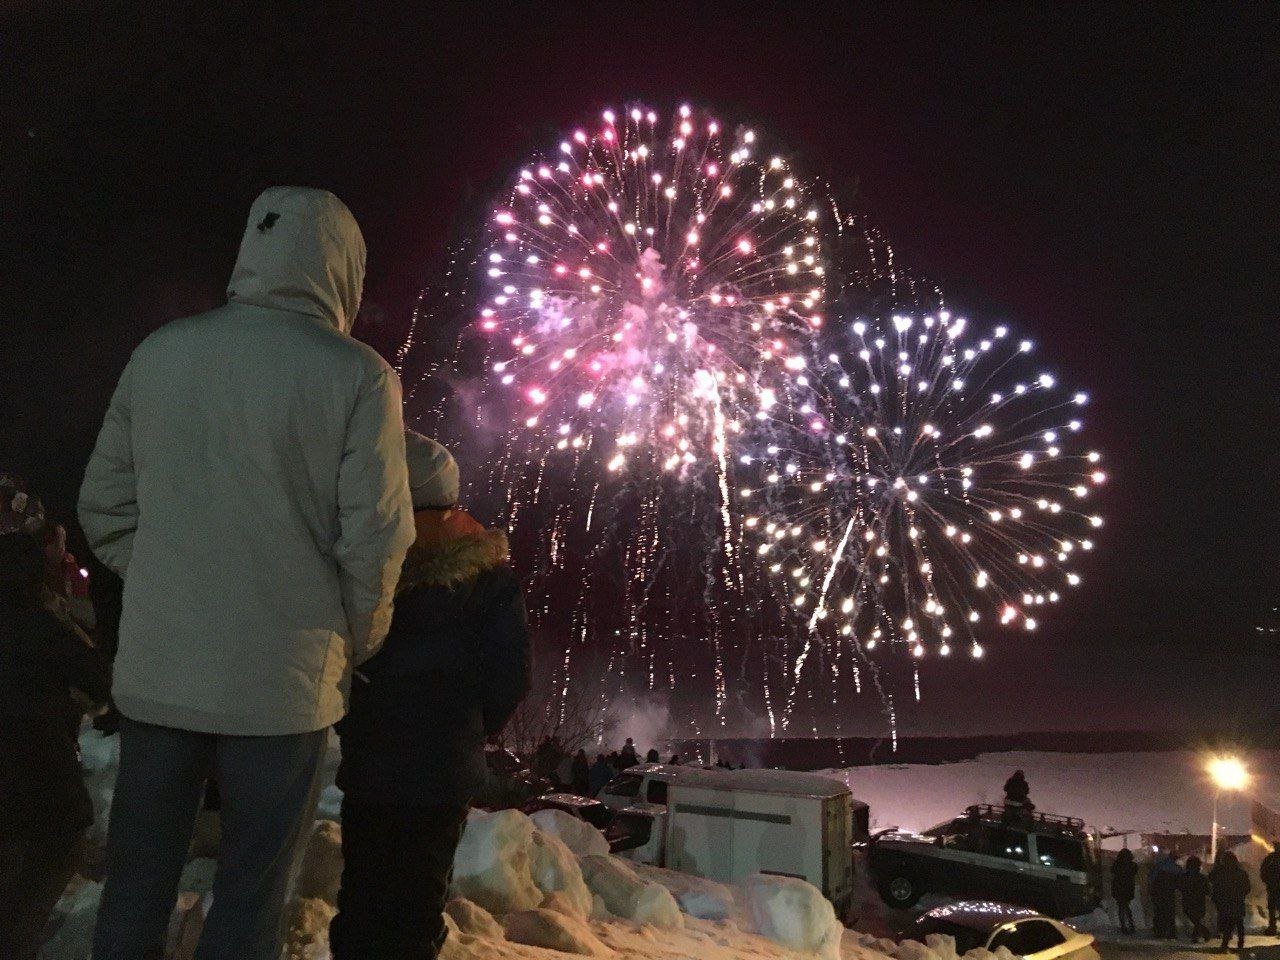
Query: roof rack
x,y
1006,814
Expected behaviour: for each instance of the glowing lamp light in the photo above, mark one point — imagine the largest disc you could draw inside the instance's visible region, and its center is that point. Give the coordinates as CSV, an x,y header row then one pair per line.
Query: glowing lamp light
x,y
1228,772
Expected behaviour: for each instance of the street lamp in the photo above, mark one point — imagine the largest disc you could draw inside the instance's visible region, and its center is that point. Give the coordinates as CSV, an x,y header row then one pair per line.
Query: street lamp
x,y
1227,773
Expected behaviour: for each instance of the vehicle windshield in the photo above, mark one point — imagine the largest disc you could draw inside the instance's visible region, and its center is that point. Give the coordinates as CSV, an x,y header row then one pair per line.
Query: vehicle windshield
x,y
966,938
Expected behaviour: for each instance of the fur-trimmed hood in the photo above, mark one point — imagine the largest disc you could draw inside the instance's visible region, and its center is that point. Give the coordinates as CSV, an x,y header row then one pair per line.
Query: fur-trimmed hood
x,y
452,553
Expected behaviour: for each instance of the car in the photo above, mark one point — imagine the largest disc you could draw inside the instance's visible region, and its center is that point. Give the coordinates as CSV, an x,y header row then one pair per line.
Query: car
x,y
1042,861
1025,933
510,781
584,808
643,783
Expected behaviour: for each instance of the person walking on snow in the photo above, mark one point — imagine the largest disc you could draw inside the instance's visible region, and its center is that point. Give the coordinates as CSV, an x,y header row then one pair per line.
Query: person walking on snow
x,y
249,486
1269,874
1230,886
1195,896
452,672
1124,876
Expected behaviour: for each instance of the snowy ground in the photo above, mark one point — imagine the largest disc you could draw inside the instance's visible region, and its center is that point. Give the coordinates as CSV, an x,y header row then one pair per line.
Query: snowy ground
x,y
538,891
1157,792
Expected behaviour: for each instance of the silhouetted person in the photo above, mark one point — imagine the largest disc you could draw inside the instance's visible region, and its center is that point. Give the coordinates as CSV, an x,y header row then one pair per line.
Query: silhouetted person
x,y
652,756
1195,897
1230,887
44,807
675,760
601,773
1269,873
1166,876
1124,876
580,774
615,761
629,757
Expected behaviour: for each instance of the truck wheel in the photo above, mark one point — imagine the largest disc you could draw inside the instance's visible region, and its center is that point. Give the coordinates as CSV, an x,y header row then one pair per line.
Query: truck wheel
x,y
900,892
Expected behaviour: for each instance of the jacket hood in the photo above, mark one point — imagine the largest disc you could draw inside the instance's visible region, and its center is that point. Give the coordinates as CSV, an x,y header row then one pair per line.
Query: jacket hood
x,y
303,252
451,549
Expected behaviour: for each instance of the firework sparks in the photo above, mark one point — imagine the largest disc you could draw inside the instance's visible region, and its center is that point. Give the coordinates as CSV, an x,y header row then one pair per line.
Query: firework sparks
x,y
645,281
936,492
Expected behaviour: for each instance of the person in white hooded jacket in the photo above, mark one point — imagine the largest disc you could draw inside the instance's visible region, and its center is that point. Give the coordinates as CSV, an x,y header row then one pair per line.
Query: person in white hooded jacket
x,y
249,485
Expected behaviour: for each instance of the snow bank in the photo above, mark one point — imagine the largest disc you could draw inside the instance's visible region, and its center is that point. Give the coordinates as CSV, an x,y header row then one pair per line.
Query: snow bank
x,y
793,913
321,872
100,759
555,870
626,895
75,915
578,835
473,919
696,896
492,866
307,929
554,930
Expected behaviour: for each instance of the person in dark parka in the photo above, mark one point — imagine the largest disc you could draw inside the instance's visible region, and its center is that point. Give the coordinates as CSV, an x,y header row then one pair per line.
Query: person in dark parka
x,y
44,807
1124,877
1269,874
1195,897
1230,886
628,757
455,666
580,774
1166,875
601,773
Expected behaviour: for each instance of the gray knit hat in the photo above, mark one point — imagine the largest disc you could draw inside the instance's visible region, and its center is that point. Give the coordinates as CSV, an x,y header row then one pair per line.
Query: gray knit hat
x,y
433,474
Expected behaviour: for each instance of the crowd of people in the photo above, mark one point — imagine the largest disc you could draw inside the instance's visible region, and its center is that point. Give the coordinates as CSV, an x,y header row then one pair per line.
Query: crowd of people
x,y
1170,882
293,560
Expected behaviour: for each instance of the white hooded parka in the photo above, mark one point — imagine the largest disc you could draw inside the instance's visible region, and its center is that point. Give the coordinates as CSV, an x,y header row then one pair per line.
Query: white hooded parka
x,y
249,485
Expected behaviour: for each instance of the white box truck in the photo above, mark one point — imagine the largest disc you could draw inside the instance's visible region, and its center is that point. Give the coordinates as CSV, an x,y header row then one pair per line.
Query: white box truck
x,y
728,824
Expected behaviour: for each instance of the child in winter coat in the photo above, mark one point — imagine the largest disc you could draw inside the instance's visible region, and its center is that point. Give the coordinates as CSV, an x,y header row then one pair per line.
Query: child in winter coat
x,y
44,807
454,668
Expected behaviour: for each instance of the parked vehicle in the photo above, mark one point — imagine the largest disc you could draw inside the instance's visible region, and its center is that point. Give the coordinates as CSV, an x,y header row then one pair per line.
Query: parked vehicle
x,y
727,824
1043,861
647,785
584,808
644,783
510,781
1023,932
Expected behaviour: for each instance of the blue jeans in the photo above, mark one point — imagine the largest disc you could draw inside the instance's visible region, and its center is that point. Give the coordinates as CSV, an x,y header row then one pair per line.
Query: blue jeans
x,y
268,787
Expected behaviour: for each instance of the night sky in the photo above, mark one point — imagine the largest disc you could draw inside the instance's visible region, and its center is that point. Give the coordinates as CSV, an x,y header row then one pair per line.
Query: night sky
x,y
1100,181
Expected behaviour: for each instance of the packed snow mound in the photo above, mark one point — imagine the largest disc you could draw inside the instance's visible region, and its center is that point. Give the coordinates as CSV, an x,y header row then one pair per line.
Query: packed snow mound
x,y
492,865
473,919
555,870
321,872
578,835
696,896
555,931
329,806
793,913
307,929
626,895
100,759
75,915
